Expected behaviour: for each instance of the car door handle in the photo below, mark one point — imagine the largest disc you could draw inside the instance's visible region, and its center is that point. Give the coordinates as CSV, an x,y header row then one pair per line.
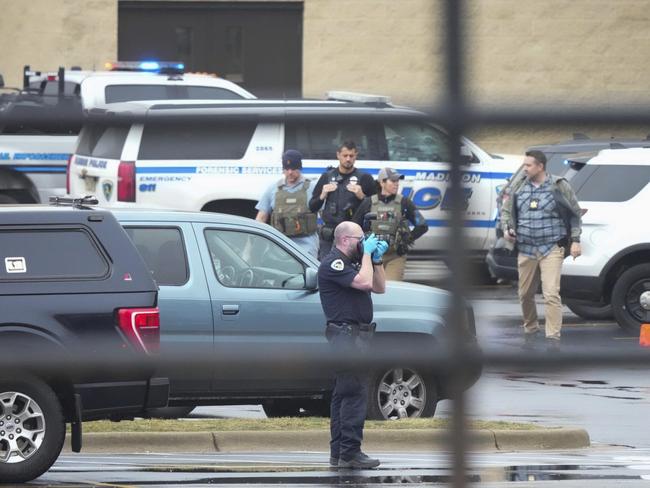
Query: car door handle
x,y
230,309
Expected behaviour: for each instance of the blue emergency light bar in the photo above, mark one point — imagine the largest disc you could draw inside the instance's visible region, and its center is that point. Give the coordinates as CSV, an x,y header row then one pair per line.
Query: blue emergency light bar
x,y
166,67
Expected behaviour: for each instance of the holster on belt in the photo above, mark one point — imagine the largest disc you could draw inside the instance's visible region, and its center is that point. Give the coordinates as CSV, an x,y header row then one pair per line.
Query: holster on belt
x,y
364,332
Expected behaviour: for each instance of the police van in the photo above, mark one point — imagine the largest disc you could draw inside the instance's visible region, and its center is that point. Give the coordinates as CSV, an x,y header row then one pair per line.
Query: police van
x,y
221,155
40,122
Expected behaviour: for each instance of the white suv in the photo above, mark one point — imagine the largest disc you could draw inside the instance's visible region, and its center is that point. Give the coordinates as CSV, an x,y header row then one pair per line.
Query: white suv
x,y
39,125
127,82
614,189
221,155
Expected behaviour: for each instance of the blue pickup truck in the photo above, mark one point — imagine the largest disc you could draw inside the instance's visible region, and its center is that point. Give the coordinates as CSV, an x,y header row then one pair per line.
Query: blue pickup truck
x,y
227,281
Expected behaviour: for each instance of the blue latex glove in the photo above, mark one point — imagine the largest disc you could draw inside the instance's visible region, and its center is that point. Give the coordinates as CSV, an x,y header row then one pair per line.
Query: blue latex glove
x,y
370,244
382,247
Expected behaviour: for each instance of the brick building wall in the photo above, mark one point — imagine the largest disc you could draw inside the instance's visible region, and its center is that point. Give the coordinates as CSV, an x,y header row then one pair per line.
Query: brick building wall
x,y
46,34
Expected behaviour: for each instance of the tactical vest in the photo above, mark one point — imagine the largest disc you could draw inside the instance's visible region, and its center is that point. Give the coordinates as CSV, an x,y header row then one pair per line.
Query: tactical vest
x,y
340,204
390,225
291,214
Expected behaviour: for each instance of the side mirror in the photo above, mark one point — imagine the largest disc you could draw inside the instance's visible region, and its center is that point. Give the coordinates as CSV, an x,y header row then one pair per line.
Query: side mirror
x,y
311,279
466,155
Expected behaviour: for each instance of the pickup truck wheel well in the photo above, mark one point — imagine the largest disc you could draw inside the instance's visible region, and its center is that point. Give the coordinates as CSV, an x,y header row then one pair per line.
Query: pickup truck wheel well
x,y
25,340
243,208
622,264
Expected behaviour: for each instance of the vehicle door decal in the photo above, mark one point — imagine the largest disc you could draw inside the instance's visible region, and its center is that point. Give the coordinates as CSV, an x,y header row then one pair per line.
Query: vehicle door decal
x,y
35,156
16,265
27,168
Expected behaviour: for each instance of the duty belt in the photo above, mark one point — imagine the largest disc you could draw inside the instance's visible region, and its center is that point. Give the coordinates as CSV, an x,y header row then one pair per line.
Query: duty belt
x,y
351,328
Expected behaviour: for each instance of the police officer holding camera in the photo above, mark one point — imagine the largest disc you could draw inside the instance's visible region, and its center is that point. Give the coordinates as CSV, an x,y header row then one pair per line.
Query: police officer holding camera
x,y
390,215
339,191
346,277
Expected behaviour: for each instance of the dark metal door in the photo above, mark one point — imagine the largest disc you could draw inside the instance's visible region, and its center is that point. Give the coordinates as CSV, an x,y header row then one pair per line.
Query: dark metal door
x,y
255,44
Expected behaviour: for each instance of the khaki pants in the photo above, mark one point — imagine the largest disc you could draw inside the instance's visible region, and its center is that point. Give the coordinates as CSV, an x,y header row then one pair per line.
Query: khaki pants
x,y
549,270
394,266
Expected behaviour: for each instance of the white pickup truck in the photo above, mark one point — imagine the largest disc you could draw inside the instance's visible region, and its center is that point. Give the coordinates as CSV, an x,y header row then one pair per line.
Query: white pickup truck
x,y
39,123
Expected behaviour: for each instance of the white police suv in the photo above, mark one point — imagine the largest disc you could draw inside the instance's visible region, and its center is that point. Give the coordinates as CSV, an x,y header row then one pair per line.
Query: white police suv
x,y
221,155
40,123
613,189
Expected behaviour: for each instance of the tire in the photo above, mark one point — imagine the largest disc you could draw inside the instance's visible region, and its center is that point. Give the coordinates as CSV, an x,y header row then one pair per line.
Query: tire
x,y
479,273
281,408
23,459
631,298
591,310
178,412
401,393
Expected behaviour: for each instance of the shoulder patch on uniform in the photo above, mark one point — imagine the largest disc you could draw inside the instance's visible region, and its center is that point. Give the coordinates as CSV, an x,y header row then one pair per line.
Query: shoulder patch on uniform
x,y
337,265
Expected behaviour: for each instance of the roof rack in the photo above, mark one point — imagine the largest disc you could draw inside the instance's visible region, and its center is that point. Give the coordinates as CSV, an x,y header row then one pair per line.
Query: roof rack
x,y
74,202
368,99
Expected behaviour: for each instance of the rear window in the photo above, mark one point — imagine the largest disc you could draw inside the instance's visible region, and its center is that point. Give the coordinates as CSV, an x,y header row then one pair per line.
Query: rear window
x,y
196,140
50,255
69,88
102,141
127,93
163,251
321,140
36,115
610,183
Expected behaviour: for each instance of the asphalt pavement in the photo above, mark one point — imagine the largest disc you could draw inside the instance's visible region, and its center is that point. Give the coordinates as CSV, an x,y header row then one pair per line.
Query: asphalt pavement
x,y
611,403
596,468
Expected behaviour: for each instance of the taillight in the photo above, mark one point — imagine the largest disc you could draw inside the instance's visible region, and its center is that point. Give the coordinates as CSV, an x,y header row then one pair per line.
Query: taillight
x,y
126,181
67,174
142,327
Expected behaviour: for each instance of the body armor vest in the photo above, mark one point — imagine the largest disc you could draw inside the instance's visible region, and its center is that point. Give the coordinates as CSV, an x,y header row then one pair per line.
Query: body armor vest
x,y
291,214
390,225
340,204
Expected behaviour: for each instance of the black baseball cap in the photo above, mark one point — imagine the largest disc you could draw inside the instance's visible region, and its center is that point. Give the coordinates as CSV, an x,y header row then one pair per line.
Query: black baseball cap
x,y
292,159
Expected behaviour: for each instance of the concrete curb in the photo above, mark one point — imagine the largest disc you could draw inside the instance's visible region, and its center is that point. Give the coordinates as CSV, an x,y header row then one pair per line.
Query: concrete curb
x,y
318,440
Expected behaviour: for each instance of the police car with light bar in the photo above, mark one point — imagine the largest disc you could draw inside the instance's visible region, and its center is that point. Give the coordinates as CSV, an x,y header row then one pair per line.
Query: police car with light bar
x,y
39,123
221,155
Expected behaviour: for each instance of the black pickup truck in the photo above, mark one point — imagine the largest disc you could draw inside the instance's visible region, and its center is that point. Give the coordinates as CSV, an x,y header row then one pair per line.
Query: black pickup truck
x,y
79,324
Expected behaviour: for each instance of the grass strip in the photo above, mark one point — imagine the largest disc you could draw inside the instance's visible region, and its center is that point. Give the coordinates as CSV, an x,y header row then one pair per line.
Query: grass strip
x,y
287,423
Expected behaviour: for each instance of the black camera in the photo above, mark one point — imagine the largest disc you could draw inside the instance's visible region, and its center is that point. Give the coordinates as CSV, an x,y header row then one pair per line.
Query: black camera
x,y
367,227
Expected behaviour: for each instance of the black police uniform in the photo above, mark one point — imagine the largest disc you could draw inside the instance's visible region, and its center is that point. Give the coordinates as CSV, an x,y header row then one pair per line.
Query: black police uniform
x,y
345,308
340,205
